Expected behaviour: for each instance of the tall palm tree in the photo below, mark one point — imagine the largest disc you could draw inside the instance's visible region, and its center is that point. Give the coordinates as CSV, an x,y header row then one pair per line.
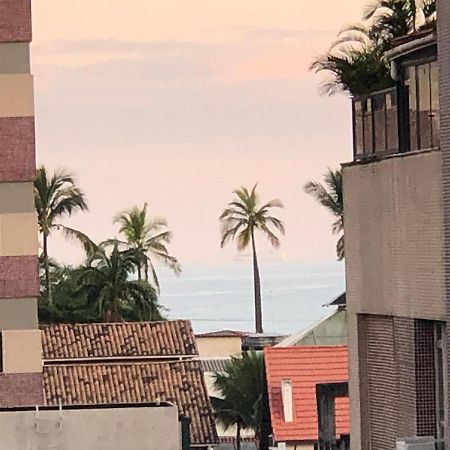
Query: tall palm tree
x,y
241,219
105,281
241,388
330,196
57,196
149,238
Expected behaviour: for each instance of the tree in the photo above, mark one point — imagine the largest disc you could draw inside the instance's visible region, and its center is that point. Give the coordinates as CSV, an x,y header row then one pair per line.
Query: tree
x,y
149,238
106,284
240,220
356,59
241,389
57,196
330,196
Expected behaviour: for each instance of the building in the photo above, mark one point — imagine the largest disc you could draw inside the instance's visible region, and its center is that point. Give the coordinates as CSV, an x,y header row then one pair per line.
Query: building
x,y
21,368
329,330
141,427
129,363
215,349
300,380
396,253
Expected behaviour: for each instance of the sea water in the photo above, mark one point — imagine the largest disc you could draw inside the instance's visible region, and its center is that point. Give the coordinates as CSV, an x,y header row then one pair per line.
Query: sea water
x,y
220,296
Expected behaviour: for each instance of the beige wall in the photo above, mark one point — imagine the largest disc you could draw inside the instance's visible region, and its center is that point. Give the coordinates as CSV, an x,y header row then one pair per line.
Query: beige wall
x,y
219,347
22,351
92,429
393,230
18,234
16,95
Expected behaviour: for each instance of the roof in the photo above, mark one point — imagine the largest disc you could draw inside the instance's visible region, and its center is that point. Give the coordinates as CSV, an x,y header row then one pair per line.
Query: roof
x,y
180,383
305,367
222,334
118,340
340,300
412,43
123,363
214,364
323,332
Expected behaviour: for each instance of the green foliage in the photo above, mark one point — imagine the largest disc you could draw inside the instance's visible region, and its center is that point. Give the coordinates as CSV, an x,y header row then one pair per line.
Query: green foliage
x,y
330,196
149,238
57,196
245,215
355,61
99,291
241,388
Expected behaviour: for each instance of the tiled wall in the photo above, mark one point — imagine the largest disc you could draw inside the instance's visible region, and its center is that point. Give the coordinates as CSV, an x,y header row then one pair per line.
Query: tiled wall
x,y
444,68
21,380
394,242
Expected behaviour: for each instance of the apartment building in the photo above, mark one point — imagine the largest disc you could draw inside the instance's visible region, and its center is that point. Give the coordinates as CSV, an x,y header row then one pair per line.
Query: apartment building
x,y
397,210
21,366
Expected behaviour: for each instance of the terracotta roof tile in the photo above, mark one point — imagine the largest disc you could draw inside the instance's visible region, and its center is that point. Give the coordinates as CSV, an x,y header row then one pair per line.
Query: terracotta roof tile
x,y
181,383
305,367
110,340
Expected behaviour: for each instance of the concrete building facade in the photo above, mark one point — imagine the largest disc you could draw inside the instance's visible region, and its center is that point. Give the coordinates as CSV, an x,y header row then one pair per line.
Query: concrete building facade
x,y
21,366
397,203
143,427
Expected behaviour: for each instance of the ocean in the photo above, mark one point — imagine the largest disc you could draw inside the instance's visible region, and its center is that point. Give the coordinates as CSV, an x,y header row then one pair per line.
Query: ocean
x,y
216,297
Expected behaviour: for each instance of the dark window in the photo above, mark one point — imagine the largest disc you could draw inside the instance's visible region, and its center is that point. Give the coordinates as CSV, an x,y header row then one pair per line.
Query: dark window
x,y
423,87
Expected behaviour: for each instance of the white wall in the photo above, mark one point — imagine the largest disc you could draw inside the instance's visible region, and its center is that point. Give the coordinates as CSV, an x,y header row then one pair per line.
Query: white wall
x,y
146,428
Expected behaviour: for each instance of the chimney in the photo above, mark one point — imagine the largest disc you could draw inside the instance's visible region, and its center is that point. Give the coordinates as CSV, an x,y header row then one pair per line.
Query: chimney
x,y
286,397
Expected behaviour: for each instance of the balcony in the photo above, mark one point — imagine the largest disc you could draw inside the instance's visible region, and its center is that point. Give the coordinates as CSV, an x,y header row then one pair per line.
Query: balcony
x,y
402,119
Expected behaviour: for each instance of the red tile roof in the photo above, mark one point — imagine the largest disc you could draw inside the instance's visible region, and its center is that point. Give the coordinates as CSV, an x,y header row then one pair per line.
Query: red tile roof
x,y
118,340
306,367
181,383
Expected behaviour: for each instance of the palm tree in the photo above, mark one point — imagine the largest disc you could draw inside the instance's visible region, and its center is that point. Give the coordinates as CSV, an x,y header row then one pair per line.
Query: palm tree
x,y
149,238
57,196
356,59
240,387
241,219
105,281
330,196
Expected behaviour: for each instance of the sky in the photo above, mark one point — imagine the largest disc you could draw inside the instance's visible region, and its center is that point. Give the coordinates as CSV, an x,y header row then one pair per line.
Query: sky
x,y
177,103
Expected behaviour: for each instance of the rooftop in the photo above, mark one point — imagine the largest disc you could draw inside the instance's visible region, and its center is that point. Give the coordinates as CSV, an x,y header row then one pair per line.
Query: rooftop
x,y
123,363
180,383
118,340
305,367
223,334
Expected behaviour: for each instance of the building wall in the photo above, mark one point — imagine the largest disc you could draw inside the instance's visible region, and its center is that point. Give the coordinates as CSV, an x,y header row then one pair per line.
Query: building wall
x,y
393,229
394,273
152,428
21,382
219,347
444,89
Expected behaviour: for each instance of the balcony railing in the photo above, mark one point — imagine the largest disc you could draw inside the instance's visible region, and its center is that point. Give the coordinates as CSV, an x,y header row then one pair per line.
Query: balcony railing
x,y
375,124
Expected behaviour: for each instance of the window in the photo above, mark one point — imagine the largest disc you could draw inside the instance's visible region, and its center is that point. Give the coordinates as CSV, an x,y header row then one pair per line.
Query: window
x,y
430,395
422,82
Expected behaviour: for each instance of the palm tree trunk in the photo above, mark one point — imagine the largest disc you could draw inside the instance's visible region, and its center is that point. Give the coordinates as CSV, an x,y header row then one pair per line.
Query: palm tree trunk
x,y
139,271
46,269
257,289
238,436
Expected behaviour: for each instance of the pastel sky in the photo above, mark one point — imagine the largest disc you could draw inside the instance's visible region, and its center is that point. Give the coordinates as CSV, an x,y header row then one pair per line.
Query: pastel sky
x,y
177,103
